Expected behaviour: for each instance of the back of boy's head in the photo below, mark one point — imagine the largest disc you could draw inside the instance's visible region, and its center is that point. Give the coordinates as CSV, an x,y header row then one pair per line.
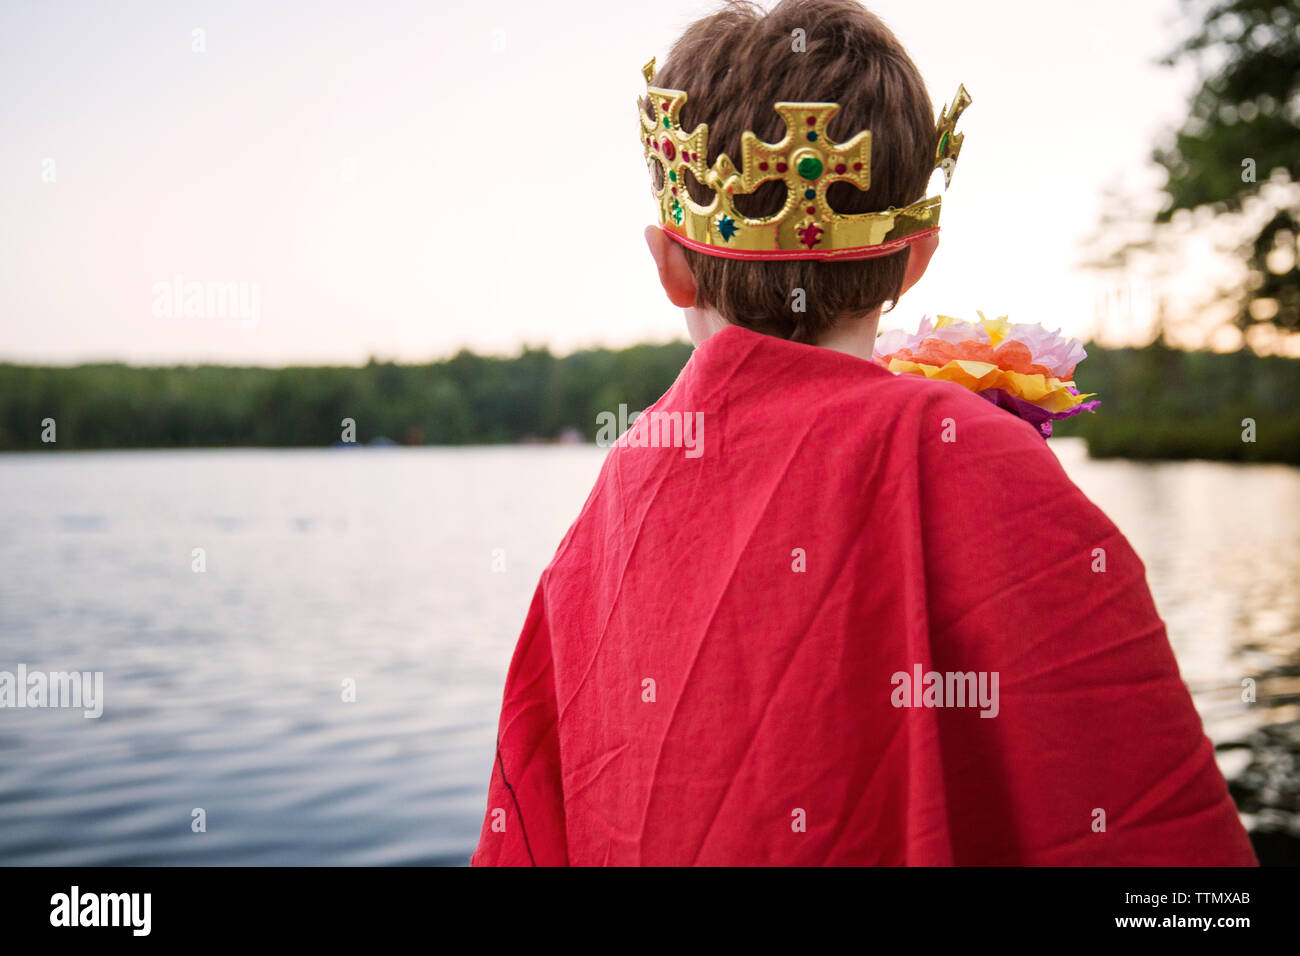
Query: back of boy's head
x,y
734,66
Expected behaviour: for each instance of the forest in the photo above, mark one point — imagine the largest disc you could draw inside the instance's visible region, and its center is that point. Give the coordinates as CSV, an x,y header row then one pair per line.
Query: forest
x,y
1157,402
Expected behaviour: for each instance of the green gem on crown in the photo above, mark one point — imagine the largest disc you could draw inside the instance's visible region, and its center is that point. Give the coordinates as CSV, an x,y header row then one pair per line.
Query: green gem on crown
x,y
810,167
943,142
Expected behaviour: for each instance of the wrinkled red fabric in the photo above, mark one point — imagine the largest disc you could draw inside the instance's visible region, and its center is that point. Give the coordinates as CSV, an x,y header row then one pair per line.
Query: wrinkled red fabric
x,y
936,530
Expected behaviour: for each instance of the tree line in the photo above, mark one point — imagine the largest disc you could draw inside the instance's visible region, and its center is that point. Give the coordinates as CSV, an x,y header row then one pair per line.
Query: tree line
x,y
1157,402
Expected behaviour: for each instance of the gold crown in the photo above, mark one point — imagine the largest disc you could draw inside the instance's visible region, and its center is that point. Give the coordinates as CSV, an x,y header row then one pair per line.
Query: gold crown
x,y
807,161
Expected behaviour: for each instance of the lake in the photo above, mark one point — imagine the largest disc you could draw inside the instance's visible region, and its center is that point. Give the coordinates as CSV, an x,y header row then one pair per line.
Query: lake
x,y
405,573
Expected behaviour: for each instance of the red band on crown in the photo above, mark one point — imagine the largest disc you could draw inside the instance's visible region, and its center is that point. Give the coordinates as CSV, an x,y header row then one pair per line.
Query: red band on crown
x,y
854,253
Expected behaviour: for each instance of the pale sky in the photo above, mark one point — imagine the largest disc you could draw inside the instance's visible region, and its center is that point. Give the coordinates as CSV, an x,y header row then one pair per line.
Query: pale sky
x,y
406,178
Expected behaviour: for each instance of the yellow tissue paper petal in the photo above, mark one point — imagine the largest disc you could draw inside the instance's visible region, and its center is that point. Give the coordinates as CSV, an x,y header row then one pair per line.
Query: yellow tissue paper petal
x,y
1049,393
974,369
996,328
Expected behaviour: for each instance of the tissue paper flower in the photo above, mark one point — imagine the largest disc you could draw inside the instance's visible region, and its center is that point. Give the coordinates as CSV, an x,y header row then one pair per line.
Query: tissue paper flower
x,y
1021,367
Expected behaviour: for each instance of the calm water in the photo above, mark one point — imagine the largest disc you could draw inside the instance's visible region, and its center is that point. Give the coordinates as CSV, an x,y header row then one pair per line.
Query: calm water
x,y
224,692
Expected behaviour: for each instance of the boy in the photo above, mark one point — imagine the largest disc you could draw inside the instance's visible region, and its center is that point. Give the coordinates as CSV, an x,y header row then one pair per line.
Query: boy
x,y
873,622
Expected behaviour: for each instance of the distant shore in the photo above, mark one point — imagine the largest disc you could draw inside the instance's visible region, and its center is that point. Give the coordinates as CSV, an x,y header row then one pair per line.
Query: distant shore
x,y
1157,403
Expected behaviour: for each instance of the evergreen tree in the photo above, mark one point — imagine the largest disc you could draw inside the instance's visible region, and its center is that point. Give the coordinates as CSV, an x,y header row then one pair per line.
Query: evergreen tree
x,y
1243,130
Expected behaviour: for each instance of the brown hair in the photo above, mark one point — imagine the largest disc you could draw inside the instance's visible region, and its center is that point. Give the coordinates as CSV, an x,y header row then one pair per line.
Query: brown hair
x,y
734,65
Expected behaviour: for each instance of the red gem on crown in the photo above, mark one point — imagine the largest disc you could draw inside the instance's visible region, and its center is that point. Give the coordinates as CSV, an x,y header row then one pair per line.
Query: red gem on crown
x,y
810,234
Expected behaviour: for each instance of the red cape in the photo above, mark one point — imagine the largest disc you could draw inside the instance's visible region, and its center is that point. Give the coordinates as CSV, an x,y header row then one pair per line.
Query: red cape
x,y
710,669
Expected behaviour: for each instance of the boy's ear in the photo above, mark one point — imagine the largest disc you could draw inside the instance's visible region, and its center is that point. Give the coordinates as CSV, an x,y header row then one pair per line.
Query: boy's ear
x,y
674,271
919,255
